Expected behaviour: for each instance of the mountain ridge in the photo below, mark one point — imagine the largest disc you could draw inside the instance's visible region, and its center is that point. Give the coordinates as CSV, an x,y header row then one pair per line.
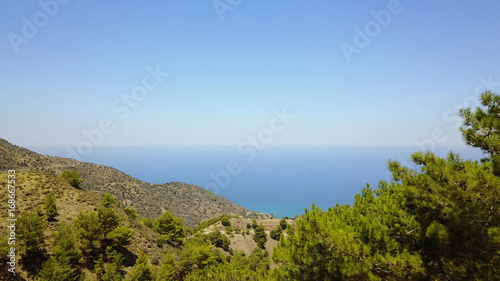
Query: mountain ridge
x,y
192,203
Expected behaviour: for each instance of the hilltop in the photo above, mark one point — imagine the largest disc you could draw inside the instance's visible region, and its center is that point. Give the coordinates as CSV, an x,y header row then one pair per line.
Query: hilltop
x,y
192,203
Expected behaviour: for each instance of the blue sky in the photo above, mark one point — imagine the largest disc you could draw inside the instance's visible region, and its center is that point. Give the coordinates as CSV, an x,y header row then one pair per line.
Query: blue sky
x,y
227,76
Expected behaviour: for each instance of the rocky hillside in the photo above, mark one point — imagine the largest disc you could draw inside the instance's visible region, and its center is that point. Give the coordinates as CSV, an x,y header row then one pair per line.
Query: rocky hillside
x,y
192,203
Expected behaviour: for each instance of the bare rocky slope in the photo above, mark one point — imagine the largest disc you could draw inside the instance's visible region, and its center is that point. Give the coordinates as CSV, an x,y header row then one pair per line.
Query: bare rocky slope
x,y
192,203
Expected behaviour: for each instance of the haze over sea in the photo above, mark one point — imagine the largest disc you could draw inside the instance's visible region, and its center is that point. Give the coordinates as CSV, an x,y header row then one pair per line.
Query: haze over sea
x,y
279,180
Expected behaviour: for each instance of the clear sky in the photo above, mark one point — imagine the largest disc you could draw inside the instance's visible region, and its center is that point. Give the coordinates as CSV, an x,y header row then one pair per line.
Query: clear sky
x,y
65,68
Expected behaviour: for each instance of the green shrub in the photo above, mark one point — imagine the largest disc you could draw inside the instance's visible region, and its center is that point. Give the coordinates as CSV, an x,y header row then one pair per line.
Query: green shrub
x,y
147,222
108,200
72,176
254,224
131,212
225,220
283,224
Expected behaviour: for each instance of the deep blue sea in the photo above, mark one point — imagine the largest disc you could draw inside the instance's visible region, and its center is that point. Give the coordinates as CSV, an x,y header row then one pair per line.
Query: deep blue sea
x,y
278,180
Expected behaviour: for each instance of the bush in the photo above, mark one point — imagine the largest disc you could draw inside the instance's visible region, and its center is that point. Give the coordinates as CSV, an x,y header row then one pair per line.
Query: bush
x,y
254,224
72,176
147,222
108,200
283,224
225,220
131,212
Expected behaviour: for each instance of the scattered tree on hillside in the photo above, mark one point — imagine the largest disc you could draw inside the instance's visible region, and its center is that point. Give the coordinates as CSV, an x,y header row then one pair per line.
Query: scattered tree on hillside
x,y
108,219
30,229
276,233
64,245
225,220
167,269
53,269
110,271
219,240
260,236
50,206
72,176
131,212
108,200
170,228
148,222
254,224
142,271
120,236
283,224
89,231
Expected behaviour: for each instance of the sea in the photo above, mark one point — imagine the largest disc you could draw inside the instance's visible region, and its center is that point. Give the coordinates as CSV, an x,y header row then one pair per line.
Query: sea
x,y
282,181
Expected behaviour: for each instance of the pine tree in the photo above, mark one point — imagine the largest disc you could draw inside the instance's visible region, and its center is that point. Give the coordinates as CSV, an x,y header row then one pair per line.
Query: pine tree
x,y
260,236
108,219
64,244
89,231
142,271
108,200
55,270
120,236
167,269
50,206
72,177
30,231
170,228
